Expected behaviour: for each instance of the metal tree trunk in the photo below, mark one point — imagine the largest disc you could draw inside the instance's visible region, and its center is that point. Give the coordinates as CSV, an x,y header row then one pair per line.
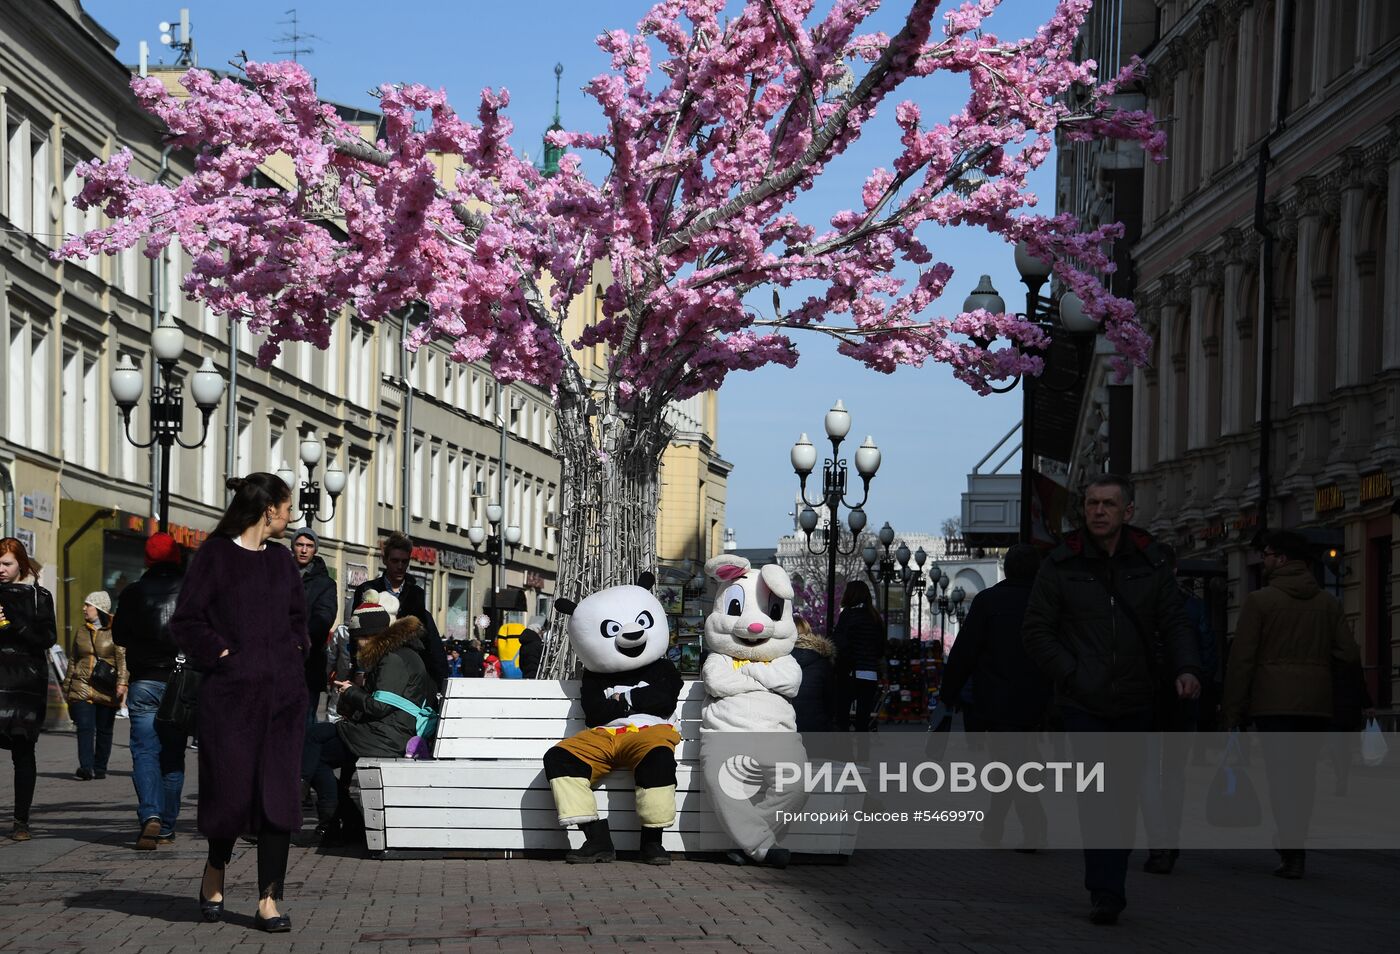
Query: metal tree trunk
x,y
607,531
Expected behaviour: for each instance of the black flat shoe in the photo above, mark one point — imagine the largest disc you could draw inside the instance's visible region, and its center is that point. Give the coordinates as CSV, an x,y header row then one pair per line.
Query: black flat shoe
x,y
211,911
278,925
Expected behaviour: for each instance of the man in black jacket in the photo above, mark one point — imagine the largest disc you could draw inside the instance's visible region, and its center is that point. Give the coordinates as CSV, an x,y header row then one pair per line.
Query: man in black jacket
x,y
141,625
1009,692
1104,607
413,601
321,598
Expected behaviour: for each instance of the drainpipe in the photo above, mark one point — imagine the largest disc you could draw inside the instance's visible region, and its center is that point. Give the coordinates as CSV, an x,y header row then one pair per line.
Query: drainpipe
x,y
231,412
8,488
405,495
503,405
1266,270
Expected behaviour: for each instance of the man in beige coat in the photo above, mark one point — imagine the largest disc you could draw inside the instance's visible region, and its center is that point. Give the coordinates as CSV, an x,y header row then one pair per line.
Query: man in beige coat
x,y
1289,638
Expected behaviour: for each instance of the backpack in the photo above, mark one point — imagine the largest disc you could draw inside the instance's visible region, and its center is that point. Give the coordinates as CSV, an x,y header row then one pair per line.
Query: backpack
x,y
426,725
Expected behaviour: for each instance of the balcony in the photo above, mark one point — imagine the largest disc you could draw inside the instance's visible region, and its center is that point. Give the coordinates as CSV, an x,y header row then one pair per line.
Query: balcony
x,y
991,508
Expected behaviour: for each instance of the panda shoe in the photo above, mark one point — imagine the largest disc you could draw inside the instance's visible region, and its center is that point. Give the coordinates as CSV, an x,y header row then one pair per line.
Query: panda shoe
x,y
650,851
597,847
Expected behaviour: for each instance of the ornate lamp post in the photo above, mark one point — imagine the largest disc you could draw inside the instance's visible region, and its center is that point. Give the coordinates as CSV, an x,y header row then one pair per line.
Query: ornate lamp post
x,y
488,548
804,459
885,574
167,402
309,502
914,582
950,605
1054,316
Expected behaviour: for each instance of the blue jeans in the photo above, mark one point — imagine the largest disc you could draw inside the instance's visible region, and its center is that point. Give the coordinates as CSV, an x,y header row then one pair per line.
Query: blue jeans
x,y
1109,819
157,757
94,724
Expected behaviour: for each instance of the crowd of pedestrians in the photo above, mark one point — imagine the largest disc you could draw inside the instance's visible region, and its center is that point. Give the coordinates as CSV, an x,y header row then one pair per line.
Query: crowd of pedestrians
x,y
1096,637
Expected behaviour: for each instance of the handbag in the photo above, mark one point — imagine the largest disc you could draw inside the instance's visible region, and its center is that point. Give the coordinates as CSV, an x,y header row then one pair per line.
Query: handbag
x,y
103,677
1373,744
1231,801
179,706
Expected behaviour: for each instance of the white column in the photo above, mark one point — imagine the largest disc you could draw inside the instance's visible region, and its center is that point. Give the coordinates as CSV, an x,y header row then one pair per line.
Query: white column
x,y
1305,312
1347,292
1390,267
1197,369
1234,356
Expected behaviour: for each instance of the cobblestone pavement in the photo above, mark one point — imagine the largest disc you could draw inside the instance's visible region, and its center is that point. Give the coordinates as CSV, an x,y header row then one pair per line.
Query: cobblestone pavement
x,y
80,886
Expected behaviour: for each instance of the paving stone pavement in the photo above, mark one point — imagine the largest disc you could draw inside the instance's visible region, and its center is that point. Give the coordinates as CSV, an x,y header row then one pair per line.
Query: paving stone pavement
x,y
81,886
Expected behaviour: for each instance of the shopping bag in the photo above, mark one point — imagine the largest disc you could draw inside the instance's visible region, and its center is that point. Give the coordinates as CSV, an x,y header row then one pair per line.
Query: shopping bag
x,y
1373,745
1232,801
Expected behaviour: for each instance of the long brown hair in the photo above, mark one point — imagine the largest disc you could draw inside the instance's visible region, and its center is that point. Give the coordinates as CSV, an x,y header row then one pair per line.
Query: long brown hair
x,y
15,548
856,597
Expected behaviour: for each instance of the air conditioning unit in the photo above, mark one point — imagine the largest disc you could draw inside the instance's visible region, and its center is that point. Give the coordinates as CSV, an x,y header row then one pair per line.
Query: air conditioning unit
x,y
479,489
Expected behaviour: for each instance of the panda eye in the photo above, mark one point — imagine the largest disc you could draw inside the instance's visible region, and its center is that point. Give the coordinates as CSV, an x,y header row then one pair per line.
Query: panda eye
x,y
733,601
775,609
644,620
611,628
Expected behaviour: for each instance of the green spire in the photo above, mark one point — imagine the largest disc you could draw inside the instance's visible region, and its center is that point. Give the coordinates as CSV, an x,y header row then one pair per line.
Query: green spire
x,y
552,153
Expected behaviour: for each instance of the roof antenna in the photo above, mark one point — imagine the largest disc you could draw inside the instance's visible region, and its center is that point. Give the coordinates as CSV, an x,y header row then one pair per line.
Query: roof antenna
x,y
293,38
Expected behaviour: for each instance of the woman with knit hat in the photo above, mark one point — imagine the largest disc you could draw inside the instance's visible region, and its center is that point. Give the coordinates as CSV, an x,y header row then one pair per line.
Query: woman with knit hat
x,y
95,686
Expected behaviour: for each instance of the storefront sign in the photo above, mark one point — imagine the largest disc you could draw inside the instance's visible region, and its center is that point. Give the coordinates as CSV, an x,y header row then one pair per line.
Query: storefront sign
x,y
427,555
456,560
1214,531
1375,486
1329,498
187,537
37,507
1244,522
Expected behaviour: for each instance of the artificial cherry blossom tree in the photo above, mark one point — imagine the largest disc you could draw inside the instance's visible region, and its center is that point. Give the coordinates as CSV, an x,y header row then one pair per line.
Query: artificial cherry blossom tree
x,y
714,126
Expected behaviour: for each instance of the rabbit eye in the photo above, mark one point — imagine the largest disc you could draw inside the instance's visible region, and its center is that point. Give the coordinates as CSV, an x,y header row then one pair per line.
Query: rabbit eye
x,y
733,601
775,609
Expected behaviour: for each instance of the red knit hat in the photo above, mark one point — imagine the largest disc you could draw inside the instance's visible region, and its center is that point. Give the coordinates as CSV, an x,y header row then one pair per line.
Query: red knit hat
x,y
161,548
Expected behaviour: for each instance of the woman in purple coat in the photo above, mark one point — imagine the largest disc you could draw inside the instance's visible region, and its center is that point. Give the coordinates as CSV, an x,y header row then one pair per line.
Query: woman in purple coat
x,y
241,621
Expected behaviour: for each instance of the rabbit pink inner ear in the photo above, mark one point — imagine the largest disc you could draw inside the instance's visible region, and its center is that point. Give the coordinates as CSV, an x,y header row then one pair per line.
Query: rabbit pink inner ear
x,y
729,572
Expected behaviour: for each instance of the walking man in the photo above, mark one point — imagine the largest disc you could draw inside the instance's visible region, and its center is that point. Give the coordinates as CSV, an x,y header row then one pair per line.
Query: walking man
x,y
1289,638
141,626
413,601
1104,605
321,603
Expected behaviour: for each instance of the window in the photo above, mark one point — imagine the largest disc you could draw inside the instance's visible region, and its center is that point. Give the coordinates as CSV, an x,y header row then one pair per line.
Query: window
x,y
450,515
17,134
354,381
330,358
1304,40
417,490
126,274
357,503
43,225
435,486
170,279
476,397
75,220
549,538
277,450
245,446
29,400
72,405
386,458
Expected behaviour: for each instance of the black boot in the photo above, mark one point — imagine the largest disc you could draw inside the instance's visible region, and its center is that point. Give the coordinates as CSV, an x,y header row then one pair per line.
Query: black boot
x,y
1160,861
597,846
651,852
1291,866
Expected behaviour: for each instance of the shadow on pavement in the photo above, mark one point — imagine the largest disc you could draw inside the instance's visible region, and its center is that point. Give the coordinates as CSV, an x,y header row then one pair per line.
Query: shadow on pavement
x,y
146,904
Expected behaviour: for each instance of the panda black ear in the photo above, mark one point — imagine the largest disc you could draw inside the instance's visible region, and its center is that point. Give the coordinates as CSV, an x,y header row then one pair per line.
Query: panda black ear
x,y
646,580
565,606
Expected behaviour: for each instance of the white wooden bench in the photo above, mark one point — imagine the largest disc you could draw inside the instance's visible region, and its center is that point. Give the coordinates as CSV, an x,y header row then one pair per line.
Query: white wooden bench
x,y
485,793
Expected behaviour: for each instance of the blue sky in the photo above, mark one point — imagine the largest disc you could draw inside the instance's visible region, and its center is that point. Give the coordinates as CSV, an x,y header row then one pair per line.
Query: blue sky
x,y
931,428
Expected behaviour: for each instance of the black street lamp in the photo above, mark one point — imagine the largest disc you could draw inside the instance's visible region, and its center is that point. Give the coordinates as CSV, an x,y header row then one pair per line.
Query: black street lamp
x,y
914,583
1051,315
167,402
309,502
885,574
804,459
488,548
950,605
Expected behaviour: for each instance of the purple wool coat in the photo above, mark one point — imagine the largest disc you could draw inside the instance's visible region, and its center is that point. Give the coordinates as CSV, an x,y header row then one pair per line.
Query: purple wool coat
x,y
252,702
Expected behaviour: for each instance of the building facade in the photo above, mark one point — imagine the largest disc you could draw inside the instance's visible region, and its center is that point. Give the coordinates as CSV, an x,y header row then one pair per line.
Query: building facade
x,y
1273,394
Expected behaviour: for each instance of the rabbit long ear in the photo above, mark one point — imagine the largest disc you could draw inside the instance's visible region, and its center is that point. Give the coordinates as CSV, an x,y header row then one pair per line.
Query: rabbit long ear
x,y
777,580
726,567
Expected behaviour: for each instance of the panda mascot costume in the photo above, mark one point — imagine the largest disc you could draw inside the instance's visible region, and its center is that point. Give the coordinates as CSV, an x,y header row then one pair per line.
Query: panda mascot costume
x,y
750,678
629,696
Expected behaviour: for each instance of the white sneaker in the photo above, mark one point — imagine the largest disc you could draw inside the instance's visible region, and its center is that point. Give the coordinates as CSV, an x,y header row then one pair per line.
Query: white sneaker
x,y
123,714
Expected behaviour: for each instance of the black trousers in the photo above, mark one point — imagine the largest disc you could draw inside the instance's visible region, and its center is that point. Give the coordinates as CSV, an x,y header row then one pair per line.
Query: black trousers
x,y
862,692
273,847
26,774
1108,821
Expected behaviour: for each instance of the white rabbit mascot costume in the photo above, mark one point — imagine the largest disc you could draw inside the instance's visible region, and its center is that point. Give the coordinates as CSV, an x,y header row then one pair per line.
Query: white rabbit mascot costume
x,y
629,695
749,677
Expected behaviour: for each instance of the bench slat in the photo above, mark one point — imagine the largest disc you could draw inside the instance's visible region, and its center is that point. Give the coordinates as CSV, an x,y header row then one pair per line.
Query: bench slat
x,y
449,748
551,729
560,840
518,708
463,688
507,773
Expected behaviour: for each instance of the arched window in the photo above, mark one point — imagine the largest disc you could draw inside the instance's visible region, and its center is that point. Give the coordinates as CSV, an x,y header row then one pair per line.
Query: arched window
x,y
1264,97
1385,23
1226,86
1371,299
1304,42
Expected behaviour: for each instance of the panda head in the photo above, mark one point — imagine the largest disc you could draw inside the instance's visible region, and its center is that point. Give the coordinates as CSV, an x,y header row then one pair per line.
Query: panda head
x,y
618,629
752,614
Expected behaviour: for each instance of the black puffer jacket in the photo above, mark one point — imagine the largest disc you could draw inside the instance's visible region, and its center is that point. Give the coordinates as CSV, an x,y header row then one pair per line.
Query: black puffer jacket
x,y
24,672
1009,691
393,663
141,623
1088,642
860,641
816,697
320,593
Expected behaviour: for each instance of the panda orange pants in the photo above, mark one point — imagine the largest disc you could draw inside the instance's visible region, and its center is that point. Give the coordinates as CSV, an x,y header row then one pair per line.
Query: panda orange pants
x,y
581,761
